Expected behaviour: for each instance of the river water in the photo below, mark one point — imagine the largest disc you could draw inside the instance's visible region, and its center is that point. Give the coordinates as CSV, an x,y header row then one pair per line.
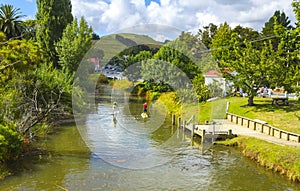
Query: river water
x,y
125,152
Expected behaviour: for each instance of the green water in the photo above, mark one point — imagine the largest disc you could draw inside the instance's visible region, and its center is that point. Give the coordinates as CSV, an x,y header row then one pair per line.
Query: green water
x,y
128,153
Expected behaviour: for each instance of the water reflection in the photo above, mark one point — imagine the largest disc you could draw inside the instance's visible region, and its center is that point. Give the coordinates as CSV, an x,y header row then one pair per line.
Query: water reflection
x,y
120,142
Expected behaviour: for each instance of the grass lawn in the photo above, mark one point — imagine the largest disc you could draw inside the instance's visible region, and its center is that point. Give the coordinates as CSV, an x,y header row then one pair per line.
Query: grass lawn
x,y
280,116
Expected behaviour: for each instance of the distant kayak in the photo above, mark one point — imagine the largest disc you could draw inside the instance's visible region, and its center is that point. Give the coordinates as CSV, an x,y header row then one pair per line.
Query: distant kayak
x,y
144,115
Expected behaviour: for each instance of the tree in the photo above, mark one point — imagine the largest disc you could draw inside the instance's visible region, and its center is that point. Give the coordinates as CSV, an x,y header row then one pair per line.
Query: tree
x,y
179,59
207,34
245,65
268,29
200,88
32,91
10,22
75,43
296,6
52,18
288,53
245,33
29,29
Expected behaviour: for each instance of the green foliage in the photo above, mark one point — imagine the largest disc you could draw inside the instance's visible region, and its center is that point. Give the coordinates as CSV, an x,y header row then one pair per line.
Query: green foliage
x,y
200,88
31,90
223,43
102,79
52,18
270,27
132,55
255,65
194,49
296,6
10,21
10,143
75,43
2,37
207,34
18,56
178,59
29,29
215,89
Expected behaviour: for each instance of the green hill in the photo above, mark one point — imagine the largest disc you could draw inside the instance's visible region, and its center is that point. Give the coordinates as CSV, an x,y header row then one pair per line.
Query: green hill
x,y
110,45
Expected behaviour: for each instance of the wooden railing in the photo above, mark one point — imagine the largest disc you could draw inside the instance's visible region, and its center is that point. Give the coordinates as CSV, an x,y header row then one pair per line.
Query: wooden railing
x,y
262,127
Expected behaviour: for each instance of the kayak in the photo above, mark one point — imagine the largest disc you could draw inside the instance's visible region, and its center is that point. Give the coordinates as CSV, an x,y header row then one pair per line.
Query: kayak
x,y
144,115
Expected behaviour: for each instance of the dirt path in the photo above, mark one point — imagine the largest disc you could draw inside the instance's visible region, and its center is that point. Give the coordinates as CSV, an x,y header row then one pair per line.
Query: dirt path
x,y
224,125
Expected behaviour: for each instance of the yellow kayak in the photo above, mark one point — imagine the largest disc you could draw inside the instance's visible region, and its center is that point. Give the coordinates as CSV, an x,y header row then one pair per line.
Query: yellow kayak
x,y
144,115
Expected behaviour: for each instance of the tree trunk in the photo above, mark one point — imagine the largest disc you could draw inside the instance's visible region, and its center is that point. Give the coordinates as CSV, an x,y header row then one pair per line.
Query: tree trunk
x,y
250,101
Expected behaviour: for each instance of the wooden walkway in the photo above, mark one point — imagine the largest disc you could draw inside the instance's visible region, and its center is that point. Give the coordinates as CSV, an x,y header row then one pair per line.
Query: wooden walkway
x,y
223,126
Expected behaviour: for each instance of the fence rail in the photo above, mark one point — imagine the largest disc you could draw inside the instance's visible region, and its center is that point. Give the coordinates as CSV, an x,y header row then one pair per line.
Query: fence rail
x,y
262,127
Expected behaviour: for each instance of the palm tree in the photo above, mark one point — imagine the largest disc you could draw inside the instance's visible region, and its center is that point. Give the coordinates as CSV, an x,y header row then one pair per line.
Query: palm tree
x,y
10,22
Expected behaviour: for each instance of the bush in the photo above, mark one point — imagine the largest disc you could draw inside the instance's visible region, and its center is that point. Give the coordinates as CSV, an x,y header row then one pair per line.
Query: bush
x,y
10,143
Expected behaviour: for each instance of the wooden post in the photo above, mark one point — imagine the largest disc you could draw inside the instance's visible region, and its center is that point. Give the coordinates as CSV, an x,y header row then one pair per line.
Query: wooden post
x,y
203,136
184,125
227,107
173,119
192,131
229,132
179,122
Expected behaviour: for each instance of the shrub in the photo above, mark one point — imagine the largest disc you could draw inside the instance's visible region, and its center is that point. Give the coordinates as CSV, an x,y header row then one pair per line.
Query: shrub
x,y
10,143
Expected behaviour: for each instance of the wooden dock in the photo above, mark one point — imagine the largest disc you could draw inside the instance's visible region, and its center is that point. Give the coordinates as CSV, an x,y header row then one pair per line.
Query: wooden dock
x,y
208,132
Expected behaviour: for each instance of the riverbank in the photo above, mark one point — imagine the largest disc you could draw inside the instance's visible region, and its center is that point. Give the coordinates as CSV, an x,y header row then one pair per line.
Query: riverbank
x,y
284,160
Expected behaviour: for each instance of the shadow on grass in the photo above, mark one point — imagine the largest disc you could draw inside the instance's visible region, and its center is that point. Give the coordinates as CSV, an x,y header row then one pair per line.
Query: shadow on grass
x,y
265,105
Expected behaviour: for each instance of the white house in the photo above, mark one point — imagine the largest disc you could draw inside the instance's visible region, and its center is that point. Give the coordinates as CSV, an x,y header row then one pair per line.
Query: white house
x,y
215,76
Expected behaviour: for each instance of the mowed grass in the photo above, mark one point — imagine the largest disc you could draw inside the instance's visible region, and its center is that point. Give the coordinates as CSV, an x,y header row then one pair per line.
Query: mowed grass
x,y
285,117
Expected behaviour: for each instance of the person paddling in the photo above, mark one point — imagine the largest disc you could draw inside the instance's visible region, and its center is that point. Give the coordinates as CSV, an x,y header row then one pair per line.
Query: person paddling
x,y
115,108
145,107
144,114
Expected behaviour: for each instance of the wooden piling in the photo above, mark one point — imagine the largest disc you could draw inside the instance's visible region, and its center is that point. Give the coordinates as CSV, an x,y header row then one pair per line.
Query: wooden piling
x,y
179,122
229,132
203,136
173,119
192,131
184,125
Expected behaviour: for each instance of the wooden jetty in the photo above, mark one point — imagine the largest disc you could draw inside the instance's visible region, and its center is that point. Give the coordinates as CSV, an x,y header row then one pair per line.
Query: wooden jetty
x,y
208,132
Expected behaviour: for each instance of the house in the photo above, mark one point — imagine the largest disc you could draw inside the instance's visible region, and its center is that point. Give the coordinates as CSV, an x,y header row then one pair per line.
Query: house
x,y
214,76
96,63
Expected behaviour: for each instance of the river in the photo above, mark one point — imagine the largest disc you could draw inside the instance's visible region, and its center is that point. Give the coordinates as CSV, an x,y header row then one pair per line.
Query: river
x,y
126,152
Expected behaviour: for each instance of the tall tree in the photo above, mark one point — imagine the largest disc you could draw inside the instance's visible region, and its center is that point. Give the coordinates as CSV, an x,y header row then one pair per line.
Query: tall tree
x,y
289,52
207,33
10,22
249,66
52,18
296,6
268,29
75,43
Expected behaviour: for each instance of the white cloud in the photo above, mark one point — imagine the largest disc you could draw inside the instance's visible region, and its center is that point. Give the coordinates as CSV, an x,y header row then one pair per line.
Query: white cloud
x,y
107,16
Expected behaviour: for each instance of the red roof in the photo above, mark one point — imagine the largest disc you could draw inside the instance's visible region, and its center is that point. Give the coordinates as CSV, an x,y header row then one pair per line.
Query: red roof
x,y
213,73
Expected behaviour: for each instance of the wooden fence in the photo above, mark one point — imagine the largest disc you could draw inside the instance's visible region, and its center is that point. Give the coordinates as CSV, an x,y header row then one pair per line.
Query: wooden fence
x,y
262,127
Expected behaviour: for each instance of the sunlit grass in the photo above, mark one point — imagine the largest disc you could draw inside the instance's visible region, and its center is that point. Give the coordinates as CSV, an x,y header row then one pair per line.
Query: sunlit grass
x,y
280,116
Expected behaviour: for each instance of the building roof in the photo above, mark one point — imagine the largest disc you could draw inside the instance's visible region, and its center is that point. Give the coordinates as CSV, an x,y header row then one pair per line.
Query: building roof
x,y
213,73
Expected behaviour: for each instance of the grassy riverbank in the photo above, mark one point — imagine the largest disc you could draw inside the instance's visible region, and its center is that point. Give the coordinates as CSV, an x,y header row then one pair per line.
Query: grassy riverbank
x,y
282,159
280,116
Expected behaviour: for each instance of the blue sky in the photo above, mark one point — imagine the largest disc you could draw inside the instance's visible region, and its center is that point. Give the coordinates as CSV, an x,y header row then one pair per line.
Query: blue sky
x,y
107,16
